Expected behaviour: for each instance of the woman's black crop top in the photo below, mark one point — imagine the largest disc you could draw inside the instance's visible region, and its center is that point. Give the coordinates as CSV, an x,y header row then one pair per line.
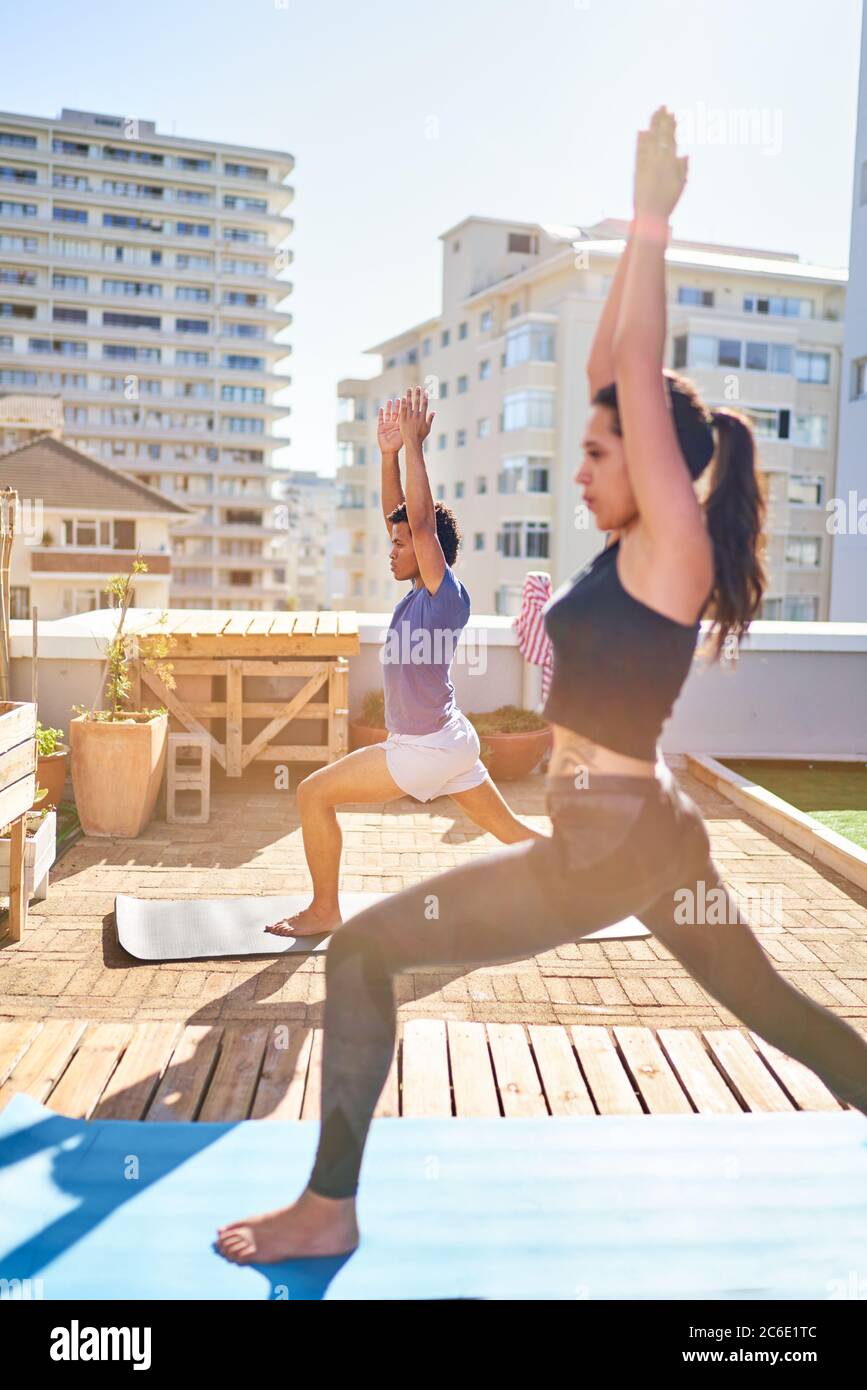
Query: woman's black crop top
x,y
618,664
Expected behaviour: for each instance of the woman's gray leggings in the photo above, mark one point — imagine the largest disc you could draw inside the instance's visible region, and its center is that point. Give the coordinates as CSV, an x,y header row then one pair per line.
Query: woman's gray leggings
x,y
623,846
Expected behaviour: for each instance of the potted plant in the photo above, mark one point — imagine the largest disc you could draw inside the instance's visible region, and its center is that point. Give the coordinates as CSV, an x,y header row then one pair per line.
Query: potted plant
x,y
370,728
118,753
513,740
53,756
40,849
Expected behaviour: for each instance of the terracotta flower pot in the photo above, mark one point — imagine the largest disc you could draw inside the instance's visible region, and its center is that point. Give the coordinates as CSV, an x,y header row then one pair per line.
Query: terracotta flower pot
x,y
508,756
51,774
362,735
117,770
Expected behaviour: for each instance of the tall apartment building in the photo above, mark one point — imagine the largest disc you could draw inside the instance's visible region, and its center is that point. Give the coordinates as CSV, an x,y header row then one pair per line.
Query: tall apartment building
x,y
505,361
849,578
309,500
140,278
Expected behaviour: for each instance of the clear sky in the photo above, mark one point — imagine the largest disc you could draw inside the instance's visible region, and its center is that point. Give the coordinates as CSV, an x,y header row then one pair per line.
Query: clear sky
x,y
405,118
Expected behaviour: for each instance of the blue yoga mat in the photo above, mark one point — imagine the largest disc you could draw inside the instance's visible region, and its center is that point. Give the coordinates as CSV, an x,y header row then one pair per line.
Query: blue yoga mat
x,y
605,1207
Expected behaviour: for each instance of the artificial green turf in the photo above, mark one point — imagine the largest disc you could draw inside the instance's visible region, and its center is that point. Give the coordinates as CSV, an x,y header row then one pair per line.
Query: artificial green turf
x,y
833,793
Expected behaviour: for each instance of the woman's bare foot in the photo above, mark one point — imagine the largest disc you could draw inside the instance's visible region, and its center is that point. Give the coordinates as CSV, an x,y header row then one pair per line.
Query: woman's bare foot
x,y
313,1226
310,921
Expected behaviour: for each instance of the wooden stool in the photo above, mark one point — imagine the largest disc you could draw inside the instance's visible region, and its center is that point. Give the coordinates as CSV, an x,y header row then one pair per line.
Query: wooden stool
x,y
188,769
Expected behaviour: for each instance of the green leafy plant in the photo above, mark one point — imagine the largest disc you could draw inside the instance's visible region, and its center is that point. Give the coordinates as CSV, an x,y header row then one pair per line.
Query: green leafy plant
x,y
116,681
373,710
47,740
508,719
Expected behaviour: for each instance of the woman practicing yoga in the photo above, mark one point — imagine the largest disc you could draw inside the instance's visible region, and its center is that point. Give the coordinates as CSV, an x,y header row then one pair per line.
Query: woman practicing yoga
x,y
626,838
432,748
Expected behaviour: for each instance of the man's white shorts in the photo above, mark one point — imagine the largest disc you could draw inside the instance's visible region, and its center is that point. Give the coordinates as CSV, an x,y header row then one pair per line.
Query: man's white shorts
x,y
438,764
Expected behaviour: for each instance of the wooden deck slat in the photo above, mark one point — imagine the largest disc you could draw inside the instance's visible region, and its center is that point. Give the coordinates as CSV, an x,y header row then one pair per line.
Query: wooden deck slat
x,y
161,1070
746,1072
305,624
347,623
280,1093
260,624
16,1035
185,1079
100,1048
388,1105
517,1079
803,1085
311,1107
43,1061
705,1086
565,1087
134,1081
233,1085
283,624
473,1081
651,1072
326,624
609,1085
425,1088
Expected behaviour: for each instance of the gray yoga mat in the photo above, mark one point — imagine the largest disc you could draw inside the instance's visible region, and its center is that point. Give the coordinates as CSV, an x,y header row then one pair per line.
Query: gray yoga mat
x,y
201,928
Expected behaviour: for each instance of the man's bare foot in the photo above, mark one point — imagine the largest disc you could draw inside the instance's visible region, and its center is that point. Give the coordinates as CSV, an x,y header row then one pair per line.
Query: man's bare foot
x,y
310,921
313,1226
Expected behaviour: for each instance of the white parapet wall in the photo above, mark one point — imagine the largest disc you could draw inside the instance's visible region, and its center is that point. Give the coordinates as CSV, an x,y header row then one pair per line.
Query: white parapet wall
x,y
797,689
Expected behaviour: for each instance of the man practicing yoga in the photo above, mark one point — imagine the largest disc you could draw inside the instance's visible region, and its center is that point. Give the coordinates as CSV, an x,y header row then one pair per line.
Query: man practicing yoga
x,y
626,837
432,748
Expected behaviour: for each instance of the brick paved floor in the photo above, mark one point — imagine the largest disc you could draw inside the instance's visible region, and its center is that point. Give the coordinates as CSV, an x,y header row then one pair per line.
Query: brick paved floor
x,y
69,963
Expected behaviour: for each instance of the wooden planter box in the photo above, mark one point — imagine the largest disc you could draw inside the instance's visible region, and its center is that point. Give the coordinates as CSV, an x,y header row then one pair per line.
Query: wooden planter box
x,y
40,848
17,791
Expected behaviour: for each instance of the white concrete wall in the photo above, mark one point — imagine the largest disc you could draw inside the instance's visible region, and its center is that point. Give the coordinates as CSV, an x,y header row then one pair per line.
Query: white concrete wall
x,y
798,688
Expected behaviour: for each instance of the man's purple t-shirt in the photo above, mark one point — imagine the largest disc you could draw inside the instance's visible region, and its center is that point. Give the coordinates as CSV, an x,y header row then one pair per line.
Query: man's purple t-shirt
x,y
420,642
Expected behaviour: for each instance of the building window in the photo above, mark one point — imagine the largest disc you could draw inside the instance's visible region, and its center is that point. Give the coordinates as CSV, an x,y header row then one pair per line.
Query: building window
x,y
19,601
441,492
425,347
814,367
859,378
509,540
459,490
514,309
537,537
483,429
523,243
463,385
441,441
485,369
478,540
463,329
508,600
481,484
445,338
787,306
810,431
805,490
531,409
804,552
461,439
687,294
486,319
531,343
801,608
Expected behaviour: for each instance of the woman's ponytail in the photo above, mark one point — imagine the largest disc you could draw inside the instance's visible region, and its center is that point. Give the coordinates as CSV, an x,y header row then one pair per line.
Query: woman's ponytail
x,y
735,510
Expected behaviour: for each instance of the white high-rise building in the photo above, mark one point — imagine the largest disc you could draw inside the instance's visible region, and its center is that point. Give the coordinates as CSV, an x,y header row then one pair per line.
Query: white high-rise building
x,y
849,521
309,500
140,280
505,361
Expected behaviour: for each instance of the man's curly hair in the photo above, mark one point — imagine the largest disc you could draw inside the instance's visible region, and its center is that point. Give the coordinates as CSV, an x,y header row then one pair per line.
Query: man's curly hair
x,y
448,531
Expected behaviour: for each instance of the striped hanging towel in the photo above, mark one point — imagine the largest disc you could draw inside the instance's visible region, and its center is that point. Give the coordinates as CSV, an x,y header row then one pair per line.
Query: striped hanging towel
x,y
534,643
